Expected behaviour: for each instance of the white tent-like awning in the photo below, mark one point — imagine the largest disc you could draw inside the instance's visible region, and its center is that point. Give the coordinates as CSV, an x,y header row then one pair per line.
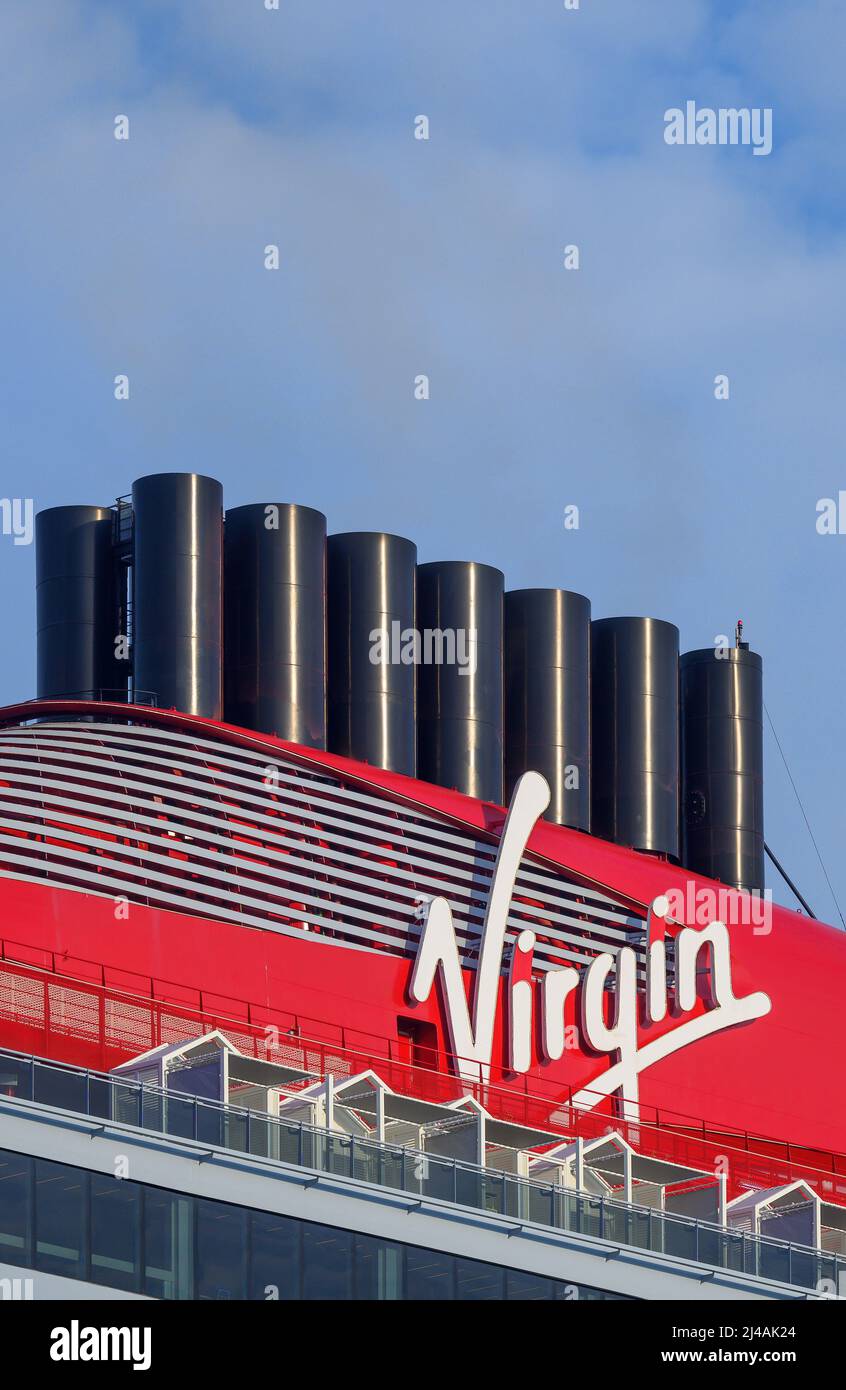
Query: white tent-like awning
x,y
171,1065
790,1212
609,1164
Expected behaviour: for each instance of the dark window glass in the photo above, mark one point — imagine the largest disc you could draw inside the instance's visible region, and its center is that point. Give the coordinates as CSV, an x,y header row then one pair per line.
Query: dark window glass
x,y
275,1262
775,1262
327,1262
16,1076
475,1281
679,1237
429,1275
526,1287
15,1209
805,1268
115,1232
211,1124
579,1293
64,1089
221,1251
60,1204
168,1244
378,1269
89,1226
100,1097
200,1078
174,1114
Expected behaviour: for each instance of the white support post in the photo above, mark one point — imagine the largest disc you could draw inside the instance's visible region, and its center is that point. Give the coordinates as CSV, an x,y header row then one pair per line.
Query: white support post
x,y
330,1101
627,1175
580,1165
722,1200
380,1114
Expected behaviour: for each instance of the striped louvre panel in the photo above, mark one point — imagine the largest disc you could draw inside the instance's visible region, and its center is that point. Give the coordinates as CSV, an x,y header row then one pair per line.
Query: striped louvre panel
x,y
199,826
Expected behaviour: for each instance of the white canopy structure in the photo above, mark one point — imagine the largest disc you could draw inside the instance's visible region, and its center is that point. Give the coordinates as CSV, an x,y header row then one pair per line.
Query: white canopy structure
x,y
211,1068
792,1212
609,1166
464,1132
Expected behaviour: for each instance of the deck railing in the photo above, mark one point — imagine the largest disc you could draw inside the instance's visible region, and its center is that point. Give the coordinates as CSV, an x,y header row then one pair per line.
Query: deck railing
x,y
109,1098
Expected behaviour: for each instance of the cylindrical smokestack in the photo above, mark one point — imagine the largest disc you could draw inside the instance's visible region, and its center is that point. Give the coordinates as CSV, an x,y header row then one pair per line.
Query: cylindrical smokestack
x,y
275,621
722,757
635,733
177,582
547,697
459,684
371,689
76,604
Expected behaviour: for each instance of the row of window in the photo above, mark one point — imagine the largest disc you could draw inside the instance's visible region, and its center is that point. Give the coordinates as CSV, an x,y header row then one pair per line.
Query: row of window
x,y
144,1239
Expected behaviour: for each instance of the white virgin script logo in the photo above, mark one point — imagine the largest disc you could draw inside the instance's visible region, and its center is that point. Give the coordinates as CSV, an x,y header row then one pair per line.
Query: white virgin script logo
x,y
471,1039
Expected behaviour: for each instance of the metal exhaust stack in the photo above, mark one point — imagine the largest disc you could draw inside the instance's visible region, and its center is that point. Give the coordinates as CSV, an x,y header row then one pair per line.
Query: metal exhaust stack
x,y
177,581
635,733
371,691
275,621
76,602
722,753
460,686
547,697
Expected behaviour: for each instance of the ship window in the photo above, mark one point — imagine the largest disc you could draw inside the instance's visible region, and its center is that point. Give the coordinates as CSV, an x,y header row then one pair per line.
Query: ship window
x,y
115,1232
126,1235
221,1251
477,1281
430,1275
168,1222
59,1087
527,1287
378,1269
275,1263
60,1218
327,1262
15,1195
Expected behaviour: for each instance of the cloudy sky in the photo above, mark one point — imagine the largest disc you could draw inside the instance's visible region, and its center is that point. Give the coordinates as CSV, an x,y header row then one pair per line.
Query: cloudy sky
x,y
549,387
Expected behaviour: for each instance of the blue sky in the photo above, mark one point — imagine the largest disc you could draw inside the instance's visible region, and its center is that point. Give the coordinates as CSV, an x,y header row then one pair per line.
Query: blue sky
x,y
445,257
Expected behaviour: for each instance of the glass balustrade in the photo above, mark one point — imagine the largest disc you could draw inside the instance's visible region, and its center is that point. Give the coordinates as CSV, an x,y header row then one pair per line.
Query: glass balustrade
x,y
419,1174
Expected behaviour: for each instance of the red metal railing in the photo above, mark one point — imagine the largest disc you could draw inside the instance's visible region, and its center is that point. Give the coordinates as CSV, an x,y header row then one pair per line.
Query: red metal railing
x,y
84,1018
